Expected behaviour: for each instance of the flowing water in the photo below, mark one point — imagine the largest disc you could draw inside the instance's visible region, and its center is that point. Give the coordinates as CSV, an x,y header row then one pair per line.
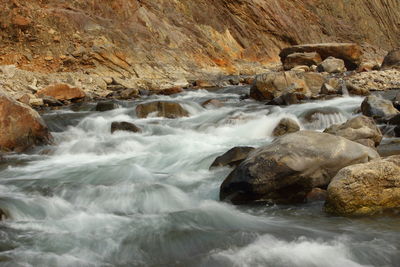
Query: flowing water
x,y
149,199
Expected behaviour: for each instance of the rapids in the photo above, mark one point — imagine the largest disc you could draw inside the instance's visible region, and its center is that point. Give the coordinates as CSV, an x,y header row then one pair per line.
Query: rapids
x,y
149,199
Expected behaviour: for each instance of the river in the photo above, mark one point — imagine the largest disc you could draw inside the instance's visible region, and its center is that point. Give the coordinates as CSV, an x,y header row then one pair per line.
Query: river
x,y
149,199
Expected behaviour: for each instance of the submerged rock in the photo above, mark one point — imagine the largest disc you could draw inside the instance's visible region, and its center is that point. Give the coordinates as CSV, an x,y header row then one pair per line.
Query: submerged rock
x,y
358,128
106,106
212,102
3,215
291,166
165,109
365,189
377,107
286,126
124,126
350,53
316,194
21,127
232,157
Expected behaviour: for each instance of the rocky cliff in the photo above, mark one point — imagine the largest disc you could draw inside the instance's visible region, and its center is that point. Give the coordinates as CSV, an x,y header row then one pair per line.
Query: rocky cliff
x,y
176,40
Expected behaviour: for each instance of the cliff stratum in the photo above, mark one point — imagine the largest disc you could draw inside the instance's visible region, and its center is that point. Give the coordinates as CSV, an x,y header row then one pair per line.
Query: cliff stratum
x,y
182,39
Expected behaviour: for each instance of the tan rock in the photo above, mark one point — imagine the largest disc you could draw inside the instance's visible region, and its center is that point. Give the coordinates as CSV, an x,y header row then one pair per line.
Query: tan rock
x,y
286,126
62,92
298,59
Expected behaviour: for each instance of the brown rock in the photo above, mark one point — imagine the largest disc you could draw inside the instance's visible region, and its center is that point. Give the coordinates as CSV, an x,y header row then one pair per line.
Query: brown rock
x,y
314,81
392,60
316,194
332,65
62,92
286,126
20,126
21,22
124,126
212,102
298,59
170,91
350,53
169,110
232,157
365,189
129,93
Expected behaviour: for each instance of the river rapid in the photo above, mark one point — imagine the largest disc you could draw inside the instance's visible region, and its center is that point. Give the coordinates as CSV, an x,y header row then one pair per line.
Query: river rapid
x,y
149,199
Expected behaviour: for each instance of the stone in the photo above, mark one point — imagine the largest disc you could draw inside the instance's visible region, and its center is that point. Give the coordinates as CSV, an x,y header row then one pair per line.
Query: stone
x,y
212,103
270,85
21,22
232,157
358,128
21,127
314,81
3,215
350,53
327,89
299,59
170,91
291,166
165,109
51,101
62,92
391,60
376,107
103,106
316,194
124,126
332,65
286,126
389,147
365,189
129,93
356,90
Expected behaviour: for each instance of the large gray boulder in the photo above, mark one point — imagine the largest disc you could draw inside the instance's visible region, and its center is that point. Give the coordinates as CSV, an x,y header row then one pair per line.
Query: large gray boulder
x,y
291,166
377,107
365,189
356,129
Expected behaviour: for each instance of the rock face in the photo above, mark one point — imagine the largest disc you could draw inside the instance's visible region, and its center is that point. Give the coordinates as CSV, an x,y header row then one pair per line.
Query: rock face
x,y
301,59
392,60
124,126
365,189
270,85
350,53
233,157
358,128
377,107
62,92
169,110
286,126
291,166
332,65
20,126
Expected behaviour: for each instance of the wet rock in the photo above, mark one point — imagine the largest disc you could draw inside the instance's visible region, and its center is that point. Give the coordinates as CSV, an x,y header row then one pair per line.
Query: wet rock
x,y
392,60
232,157
350,53
62,92
205,84
270,85
124,126
314,114
389,148
106,106
165,109
286,126
301,59
358,128
20,126
3,215
316,194
129,93
170,91
377,107
212,102
365,189
332,65
51,101
291,166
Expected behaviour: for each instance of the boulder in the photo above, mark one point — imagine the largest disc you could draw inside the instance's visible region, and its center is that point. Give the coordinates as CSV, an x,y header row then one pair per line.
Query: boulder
x,y
270,85
286,126
21,127
124,126
392,60
106,106
232,157
301,59
314,81
291,166
358,128
377,107
350,53
365,189
165,109
332,65
62,92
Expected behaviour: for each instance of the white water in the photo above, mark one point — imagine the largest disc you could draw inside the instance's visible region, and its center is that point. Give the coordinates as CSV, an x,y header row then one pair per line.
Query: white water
x,y
148,199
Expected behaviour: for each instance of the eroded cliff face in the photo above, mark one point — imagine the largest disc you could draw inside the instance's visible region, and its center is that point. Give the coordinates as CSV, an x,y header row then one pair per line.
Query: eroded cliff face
x,y
181,39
